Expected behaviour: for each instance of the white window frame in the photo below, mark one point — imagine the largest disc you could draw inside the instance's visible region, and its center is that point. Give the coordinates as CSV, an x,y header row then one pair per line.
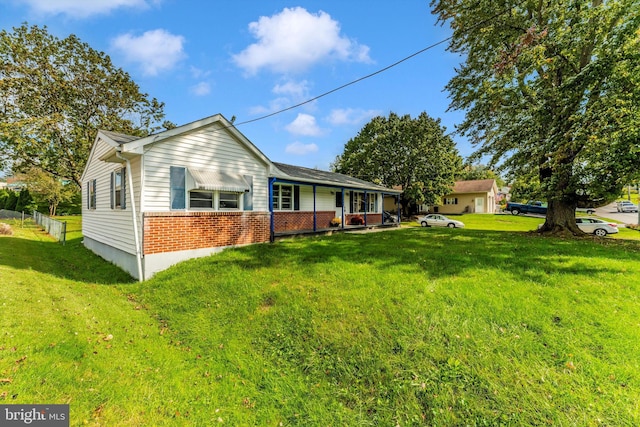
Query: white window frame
x,y
221,200
216,200
91,194
278,197
451,201
118,191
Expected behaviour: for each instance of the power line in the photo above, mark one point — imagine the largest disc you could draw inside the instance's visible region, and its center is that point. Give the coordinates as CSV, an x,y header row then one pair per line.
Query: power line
x,y
375,73
382,70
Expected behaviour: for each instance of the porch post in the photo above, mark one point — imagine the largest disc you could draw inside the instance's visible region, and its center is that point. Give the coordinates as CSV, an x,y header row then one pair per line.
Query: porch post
x,y
366,206
343,218
315,216
272,227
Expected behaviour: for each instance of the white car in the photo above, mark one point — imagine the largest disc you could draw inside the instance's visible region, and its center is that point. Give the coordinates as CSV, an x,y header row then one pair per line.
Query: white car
x,y
626,206
436,220
596,226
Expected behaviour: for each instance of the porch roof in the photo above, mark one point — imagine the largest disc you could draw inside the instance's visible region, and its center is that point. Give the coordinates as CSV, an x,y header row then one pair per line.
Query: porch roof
x,y
332,179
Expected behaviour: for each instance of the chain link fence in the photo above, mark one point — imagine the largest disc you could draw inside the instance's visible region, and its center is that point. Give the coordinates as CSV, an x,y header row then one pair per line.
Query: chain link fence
x,y
57,229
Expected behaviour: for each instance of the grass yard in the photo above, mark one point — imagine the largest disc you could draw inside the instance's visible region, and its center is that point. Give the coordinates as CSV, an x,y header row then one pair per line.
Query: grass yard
x,y
487,325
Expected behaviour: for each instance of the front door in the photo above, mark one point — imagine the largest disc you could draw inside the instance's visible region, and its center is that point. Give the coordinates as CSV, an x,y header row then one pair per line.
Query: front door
x,y
479,205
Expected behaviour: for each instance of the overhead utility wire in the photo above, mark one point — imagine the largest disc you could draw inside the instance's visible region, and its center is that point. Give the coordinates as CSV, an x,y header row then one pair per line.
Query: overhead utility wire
x,y
382,70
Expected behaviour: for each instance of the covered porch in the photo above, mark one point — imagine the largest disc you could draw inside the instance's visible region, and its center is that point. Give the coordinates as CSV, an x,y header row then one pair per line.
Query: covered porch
x,y
332,203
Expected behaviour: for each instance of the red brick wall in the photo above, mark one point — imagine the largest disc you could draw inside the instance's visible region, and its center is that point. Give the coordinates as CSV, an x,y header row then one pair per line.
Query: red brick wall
x,y
296,220
177,231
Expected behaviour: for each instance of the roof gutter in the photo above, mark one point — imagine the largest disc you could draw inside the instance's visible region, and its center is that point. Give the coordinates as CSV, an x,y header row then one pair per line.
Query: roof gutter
x,y
133,215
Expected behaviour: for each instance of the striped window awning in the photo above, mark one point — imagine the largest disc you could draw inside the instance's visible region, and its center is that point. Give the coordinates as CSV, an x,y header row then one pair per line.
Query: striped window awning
x,y
212,180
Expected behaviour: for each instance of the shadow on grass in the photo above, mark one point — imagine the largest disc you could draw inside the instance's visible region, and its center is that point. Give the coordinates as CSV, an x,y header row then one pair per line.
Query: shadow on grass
x,y
70,261
440,253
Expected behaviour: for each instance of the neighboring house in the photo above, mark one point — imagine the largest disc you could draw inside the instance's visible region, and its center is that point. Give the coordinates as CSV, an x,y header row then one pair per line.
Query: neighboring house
x,y
195,190
476,196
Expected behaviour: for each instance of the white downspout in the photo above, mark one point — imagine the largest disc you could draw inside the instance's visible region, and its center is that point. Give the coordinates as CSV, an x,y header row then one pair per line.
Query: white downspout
x,y
134,215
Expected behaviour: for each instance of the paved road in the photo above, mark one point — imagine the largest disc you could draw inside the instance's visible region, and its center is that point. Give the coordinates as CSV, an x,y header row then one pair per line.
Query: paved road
x,y
610,211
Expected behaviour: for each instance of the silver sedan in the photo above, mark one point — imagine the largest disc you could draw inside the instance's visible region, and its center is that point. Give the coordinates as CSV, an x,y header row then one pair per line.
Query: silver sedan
x,y
437,220
596,226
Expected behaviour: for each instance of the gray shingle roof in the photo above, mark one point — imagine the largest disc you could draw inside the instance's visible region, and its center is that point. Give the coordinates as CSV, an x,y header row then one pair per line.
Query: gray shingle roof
x,y
120,138
474,186
332,178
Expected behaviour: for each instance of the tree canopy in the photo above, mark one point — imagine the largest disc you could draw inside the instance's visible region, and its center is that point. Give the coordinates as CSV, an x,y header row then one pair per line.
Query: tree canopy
x,y
551,90
414,154
55,94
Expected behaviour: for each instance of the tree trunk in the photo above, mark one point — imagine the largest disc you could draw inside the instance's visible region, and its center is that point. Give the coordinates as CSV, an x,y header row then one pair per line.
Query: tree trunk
x,y
561,219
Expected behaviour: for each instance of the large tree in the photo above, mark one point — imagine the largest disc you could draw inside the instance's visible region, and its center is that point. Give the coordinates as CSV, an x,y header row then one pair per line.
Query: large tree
x,y
55,94
413,154
551,89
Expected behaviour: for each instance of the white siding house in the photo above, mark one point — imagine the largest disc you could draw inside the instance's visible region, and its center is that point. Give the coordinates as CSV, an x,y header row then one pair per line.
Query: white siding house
x,y
194,190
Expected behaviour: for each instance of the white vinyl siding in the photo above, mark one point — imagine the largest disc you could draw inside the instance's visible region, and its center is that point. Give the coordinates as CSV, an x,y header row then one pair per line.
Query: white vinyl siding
x,y
210,148
325,201
104,224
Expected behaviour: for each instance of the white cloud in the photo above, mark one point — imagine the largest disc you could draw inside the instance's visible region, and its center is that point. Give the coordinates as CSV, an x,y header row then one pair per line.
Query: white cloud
x,y
201,89
294,40
83,8
154,51
199,73
351,116
300,149
304,124
297,90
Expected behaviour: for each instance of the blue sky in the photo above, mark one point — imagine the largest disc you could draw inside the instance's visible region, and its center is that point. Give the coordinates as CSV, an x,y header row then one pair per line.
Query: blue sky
x,y
250,58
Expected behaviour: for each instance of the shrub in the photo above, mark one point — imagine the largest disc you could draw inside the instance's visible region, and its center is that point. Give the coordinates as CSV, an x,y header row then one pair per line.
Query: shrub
x,y
5,230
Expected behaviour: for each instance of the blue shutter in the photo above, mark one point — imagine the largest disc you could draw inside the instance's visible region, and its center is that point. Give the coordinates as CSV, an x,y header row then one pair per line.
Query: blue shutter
x,y
296,197
178,185
123,193
113,178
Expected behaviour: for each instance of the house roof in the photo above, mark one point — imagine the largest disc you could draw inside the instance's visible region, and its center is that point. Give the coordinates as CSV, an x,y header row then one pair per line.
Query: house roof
x,y
129,146
474,186
298,173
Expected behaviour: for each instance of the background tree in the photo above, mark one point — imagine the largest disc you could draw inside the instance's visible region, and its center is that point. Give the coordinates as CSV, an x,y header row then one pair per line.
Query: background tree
x,y
414,154
55,94
11,201
24,202
551,89
47,190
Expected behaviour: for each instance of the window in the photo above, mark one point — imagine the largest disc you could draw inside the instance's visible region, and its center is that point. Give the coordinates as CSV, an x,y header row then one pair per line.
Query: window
x,y
372,198
451,201
338,199
200,200
361,202
118,189
91,194
228,201
247,197
283,197
209,199
178,187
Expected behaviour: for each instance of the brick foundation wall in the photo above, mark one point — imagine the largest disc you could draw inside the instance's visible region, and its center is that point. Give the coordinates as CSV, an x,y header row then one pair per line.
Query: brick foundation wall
x,y
178,231
297,221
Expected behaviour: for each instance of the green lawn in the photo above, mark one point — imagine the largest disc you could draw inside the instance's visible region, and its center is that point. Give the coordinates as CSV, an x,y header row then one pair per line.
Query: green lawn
x,y
487,325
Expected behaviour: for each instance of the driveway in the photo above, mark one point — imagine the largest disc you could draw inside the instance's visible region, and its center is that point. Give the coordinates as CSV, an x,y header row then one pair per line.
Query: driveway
x,y
610,212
